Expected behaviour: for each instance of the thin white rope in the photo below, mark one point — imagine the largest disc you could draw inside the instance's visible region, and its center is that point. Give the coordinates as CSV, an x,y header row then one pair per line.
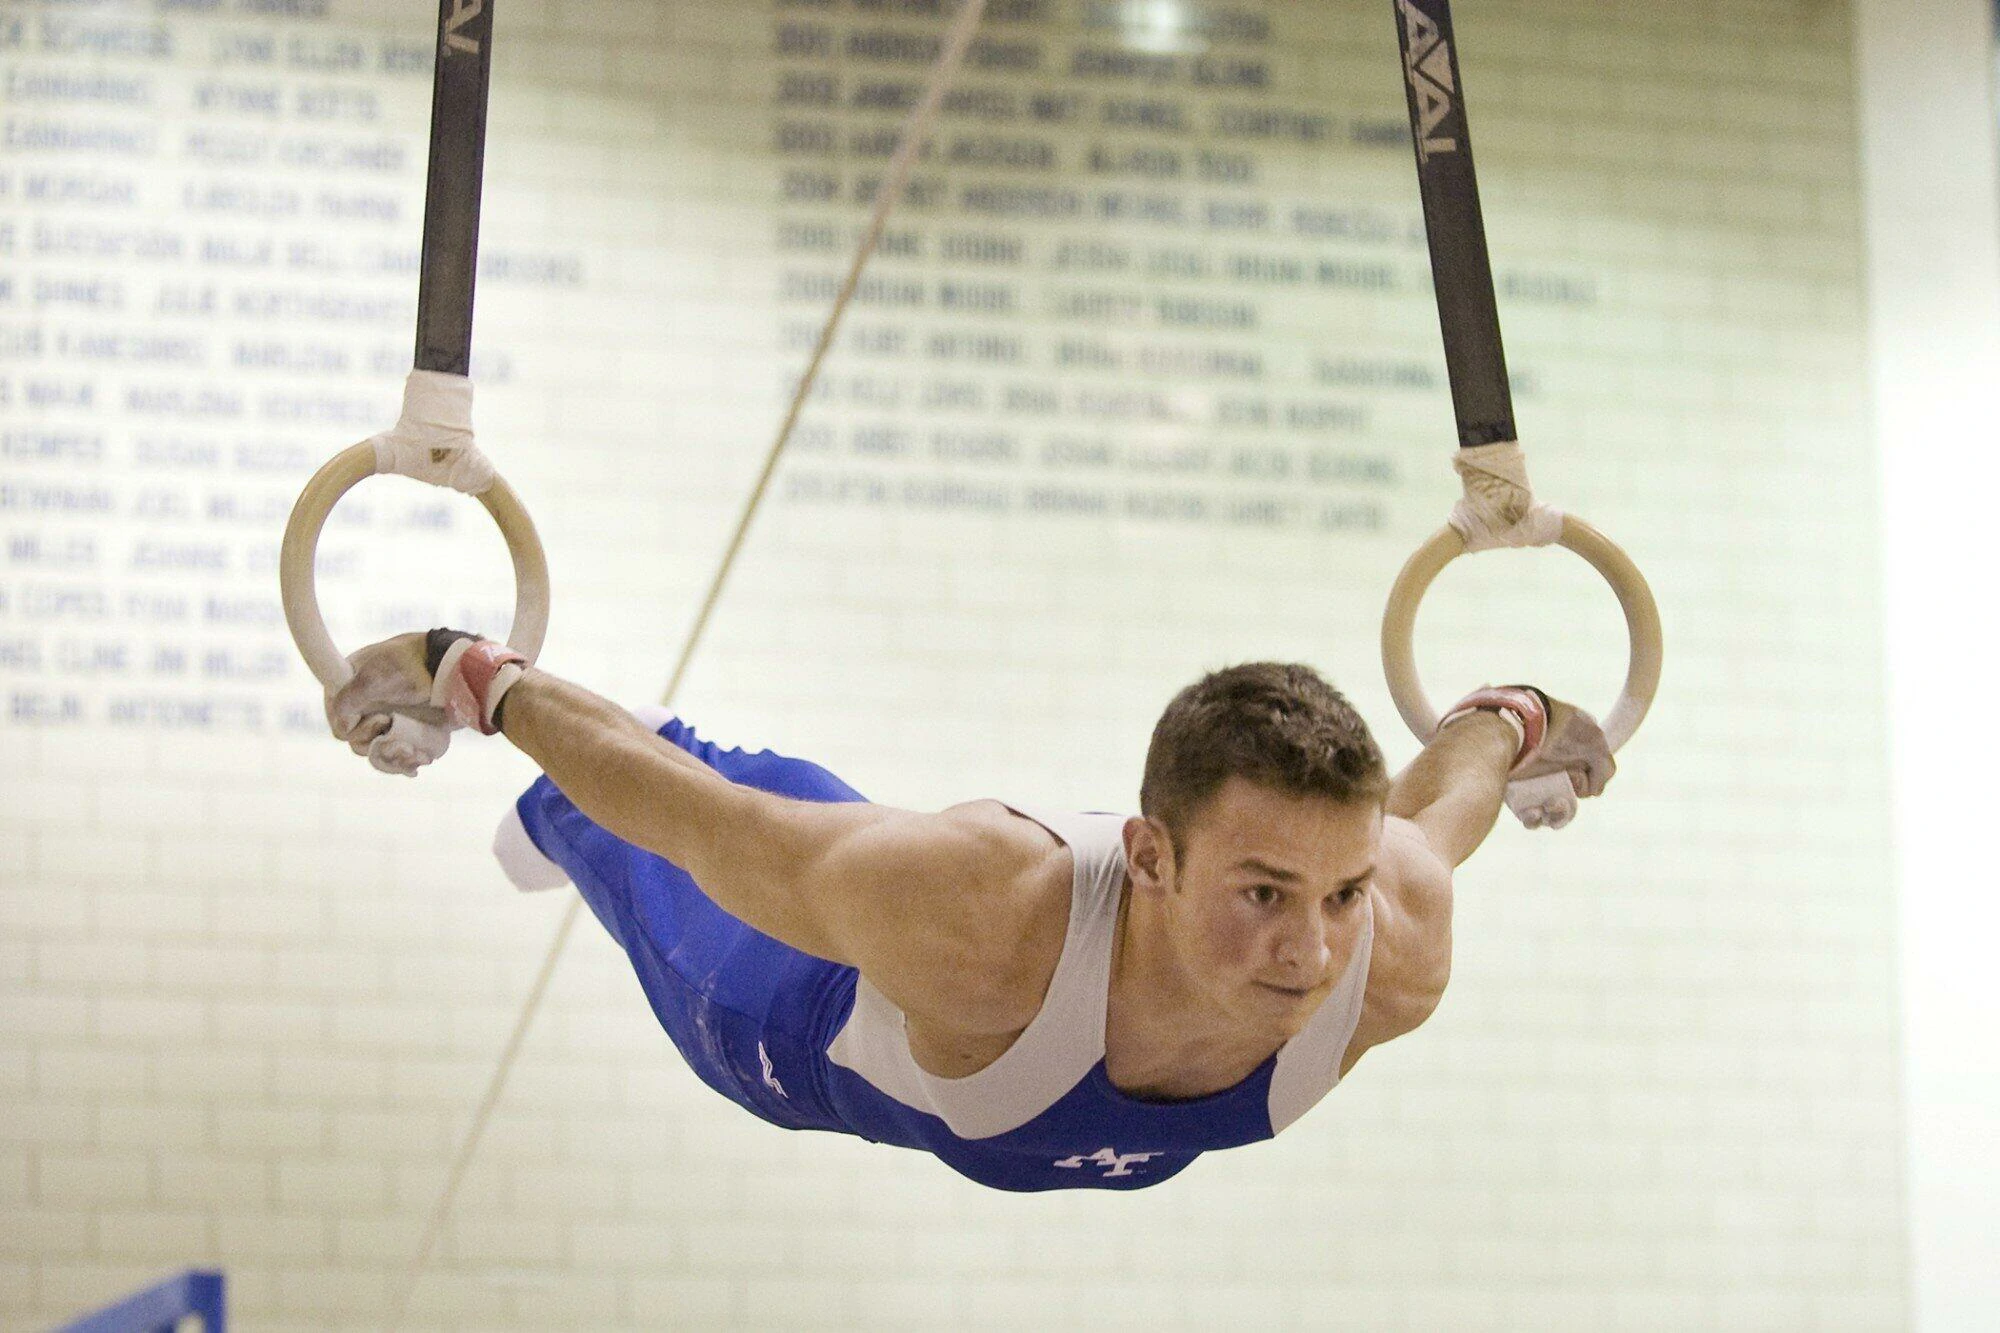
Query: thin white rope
x,y
916,128
891,193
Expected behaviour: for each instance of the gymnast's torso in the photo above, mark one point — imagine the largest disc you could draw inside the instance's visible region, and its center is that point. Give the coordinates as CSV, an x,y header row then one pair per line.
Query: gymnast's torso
x,y
809,1044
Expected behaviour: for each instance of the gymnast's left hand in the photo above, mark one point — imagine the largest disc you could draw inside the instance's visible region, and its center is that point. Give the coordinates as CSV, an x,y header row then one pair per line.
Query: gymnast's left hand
x,y
385,711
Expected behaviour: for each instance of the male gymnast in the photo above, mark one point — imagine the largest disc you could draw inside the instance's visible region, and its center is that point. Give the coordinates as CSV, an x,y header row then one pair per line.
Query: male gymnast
x,y
1042,1000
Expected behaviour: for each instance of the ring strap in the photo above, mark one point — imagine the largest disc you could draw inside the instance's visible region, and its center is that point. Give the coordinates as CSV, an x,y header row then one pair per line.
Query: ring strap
x,y
450,255
1468,315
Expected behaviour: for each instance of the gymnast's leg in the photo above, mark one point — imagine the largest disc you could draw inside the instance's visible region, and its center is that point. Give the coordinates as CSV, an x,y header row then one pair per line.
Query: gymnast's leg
x,y
740,1005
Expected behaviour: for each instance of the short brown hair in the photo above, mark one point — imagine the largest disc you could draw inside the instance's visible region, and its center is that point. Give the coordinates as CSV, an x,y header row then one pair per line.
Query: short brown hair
x,y
1278,724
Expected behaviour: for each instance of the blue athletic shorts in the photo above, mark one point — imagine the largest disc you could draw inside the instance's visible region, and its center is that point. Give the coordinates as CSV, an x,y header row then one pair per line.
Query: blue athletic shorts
x,y
751,1016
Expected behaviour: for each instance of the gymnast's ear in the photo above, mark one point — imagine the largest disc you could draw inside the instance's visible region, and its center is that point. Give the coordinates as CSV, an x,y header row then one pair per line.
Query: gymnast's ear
x,y
1149,855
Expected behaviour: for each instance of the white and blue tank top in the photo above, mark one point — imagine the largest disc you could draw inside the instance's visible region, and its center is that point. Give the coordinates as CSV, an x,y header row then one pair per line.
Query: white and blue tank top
x,y
810,1044
1045,1114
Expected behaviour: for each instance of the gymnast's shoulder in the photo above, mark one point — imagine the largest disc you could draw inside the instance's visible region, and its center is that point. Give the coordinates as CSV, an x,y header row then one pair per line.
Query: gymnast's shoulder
x,y
1007,894
958,911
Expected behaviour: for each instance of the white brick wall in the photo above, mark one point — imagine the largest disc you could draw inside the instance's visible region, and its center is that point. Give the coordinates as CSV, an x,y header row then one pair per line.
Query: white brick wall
x,y
249,992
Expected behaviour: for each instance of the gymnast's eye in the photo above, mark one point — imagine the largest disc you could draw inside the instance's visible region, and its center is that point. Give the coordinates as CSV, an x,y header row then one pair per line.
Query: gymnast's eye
x,y
1346,896
1263,895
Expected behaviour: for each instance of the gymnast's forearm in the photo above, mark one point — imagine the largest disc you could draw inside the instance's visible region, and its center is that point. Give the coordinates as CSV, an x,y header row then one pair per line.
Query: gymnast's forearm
x,y
1453,790
627,780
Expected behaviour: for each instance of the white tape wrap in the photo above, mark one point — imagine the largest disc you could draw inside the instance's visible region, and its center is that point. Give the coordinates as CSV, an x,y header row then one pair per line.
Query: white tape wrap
x,y
1548,801
408,745
432,441
1499,508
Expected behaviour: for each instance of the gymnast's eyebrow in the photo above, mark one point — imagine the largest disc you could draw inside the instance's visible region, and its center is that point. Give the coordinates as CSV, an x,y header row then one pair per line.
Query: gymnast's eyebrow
x,y
1283,876
1269,871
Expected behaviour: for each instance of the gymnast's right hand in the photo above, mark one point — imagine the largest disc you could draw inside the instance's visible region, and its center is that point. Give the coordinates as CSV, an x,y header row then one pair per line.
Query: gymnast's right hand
x,y
385,712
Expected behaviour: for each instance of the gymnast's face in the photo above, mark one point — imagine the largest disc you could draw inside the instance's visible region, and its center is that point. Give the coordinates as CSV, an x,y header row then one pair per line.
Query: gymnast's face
x,y
1264,901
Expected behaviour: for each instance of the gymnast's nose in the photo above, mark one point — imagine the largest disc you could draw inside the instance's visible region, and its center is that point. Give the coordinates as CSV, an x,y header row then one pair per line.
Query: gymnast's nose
x,y
1302,944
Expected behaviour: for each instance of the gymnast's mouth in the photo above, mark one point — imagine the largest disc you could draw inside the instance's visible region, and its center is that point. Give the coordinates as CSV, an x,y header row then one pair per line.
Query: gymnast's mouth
x,y
1290,992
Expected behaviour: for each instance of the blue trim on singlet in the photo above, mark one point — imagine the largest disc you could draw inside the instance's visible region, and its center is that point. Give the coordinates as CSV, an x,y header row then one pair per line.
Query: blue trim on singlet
x,y
732,998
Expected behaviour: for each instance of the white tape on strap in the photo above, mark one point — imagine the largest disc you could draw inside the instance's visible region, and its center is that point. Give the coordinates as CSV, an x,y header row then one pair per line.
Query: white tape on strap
x,y
1499,509
432,441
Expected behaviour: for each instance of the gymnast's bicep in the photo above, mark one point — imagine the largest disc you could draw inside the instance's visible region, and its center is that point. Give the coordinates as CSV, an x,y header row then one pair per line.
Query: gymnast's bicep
x,y
1411,962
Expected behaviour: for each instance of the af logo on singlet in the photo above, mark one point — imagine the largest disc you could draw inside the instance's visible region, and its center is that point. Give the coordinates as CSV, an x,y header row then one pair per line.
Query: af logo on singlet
x,y
1120,1163
1427,64
770,1073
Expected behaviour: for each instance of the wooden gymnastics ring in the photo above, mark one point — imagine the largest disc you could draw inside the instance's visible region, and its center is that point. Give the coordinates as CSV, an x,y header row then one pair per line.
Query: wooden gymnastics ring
x,y
343,473
1642,622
